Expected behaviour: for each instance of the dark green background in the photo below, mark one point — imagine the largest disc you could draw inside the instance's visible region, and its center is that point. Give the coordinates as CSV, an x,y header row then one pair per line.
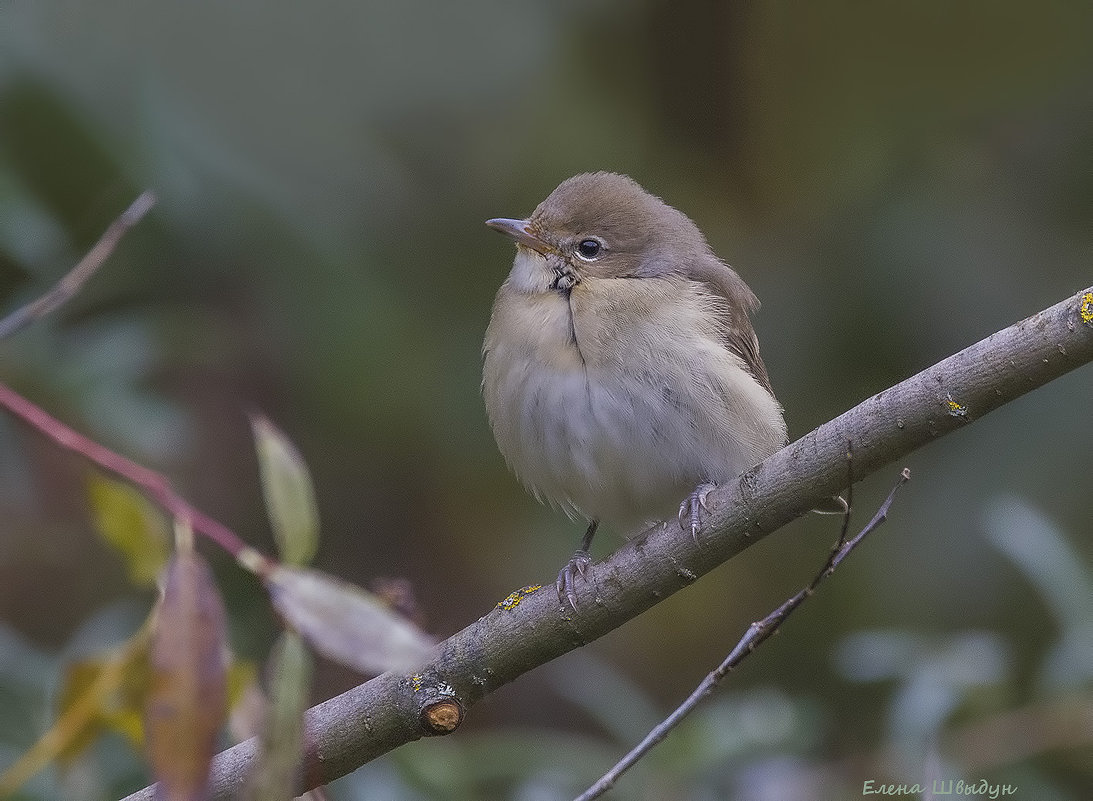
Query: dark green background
x,y
895,182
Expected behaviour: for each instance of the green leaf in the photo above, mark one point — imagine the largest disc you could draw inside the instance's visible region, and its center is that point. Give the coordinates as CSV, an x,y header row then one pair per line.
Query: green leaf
x,y
290,496
274,775
132,525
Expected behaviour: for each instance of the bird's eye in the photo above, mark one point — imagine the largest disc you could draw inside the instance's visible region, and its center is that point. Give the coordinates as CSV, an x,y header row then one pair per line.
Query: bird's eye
x,y
588,249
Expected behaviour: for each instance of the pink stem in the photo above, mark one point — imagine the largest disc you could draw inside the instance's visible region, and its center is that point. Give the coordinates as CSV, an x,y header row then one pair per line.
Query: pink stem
x,y
154,484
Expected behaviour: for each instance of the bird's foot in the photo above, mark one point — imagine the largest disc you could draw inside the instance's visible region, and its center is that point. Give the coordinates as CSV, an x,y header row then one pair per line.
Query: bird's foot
x,y
690,511
578,565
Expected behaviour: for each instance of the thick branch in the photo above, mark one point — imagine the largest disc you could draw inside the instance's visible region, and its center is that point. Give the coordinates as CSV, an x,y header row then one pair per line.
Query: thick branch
x,y
758,633
531,627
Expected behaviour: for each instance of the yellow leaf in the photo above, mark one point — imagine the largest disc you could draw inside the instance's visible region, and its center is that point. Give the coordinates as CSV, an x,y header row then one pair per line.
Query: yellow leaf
x,y
105,693
131,524
119,701
187,699
290,496
242,674
345,623
97,695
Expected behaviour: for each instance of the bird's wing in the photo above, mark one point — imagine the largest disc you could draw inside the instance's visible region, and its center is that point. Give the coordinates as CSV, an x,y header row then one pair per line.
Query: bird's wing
x,y
739,336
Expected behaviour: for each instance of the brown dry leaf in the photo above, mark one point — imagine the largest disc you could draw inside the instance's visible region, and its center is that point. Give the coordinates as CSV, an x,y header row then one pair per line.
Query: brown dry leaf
x,y
187,699
344,623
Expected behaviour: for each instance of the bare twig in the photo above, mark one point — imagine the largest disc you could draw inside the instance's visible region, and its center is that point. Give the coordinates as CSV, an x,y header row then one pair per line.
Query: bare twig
x,y
75,278
757,633
155,485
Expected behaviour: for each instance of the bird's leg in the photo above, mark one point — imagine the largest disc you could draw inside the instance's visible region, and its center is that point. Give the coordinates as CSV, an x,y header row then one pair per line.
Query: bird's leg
x,y
690,511
580,562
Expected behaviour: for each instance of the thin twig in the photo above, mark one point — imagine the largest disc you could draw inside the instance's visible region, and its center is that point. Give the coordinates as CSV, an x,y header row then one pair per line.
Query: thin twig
x,y
154,484
75,278
757,633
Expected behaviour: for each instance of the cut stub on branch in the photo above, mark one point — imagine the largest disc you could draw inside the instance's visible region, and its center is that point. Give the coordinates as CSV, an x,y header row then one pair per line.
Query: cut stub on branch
x,y
439,709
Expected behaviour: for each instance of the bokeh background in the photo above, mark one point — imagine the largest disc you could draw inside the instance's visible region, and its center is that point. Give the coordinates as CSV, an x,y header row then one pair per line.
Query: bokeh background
x,y
894,181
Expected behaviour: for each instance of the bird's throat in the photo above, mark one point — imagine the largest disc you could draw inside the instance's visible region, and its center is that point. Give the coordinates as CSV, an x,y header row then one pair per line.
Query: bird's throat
x,y
564,280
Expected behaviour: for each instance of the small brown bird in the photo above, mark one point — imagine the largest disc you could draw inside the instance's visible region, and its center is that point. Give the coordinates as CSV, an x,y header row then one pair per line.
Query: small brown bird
x,y
620,368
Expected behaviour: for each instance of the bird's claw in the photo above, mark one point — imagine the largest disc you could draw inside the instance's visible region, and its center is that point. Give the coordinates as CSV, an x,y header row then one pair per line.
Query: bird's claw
x,y
578,565
690,511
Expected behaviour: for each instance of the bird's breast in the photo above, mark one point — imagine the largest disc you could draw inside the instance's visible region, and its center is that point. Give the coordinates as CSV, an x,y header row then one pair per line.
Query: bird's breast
x,y
615,400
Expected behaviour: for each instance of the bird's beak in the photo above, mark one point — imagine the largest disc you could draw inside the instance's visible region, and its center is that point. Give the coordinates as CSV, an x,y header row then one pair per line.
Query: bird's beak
x,y
518,230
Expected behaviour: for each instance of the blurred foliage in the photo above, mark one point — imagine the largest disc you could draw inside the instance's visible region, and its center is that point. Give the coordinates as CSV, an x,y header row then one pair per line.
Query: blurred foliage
x,y
895,182
274,774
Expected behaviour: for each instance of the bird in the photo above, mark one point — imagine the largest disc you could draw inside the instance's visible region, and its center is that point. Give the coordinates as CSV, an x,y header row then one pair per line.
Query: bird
x,y
620,368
